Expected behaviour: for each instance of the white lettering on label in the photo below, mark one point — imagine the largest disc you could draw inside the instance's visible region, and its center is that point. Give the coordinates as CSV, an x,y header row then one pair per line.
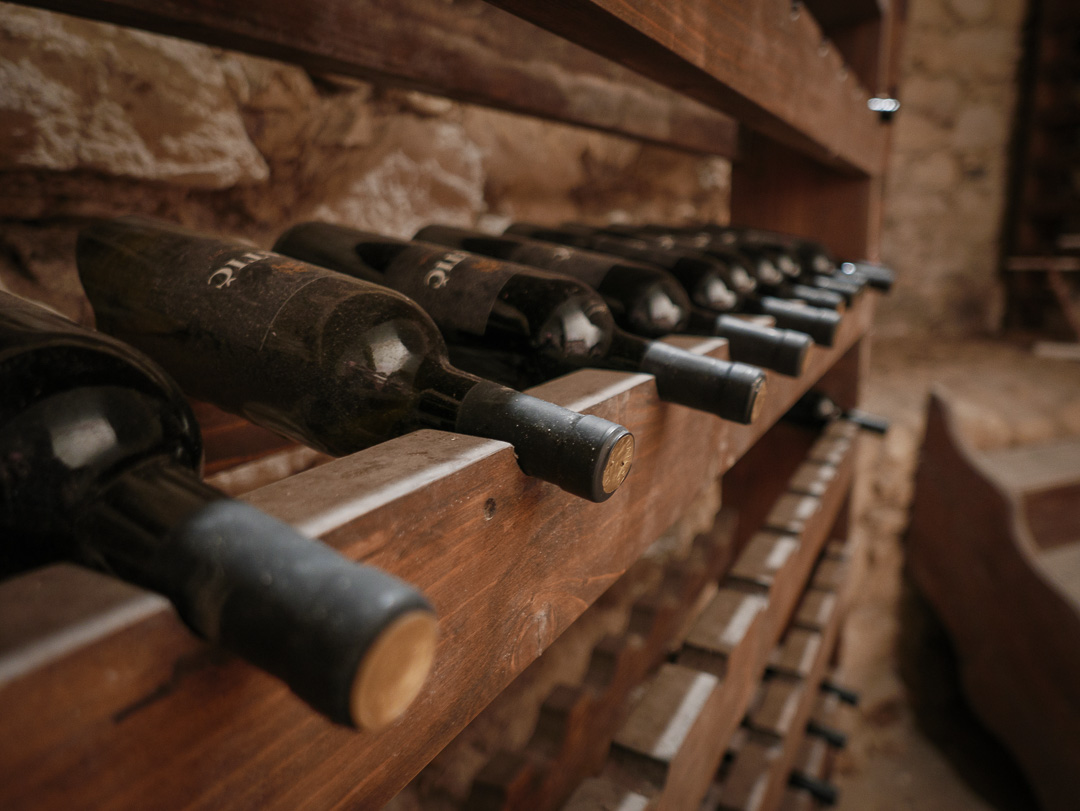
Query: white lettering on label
x,y
226,274
439,275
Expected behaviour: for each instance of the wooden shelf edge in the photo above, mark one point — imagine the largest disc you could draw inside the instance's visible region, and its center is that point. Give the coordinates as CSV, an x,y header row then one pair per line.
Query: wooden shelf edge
x,y
442,511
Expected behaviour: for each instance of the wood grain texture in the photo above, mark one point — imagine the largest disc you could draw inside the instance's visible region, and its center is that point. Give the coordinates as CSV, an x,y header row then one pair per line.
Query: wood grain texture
x,y
577,722
759,62
467,50
1011,606
675,736
776,187
757,778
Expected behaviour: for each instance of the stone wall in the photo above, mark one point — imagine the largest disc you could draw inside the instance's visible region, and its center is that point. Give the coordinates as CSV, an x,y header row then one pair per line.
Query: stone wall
x,y
945,188
102,121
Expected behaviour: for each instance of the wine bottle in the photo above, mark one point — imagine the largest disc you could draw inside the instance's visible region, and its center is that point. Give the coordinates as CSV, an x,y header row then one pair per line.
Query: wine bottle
x,y
815,410
541,323
876,275
832,736
99,456
709,284
782,350
812,295
699,274
845,694
822,790
643,299
634,287
331,361
766,265
812,257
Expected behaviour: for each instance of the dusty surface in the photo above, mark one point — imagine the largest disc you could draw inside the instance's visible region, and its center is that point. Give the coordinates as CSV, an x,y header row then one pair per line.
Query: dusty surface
x,y
914,744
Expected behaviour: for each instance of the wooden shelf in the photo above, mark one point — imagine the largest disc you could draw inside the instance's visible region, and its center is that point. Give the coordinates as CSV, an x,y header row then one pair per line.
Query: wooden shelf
x,y
763,64
676,733
94,673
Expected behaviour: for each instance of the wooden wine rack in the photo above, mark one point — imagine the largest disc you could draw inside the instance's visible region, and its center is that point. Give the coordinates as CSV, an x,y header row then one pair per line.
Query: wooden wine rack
x,y
106,700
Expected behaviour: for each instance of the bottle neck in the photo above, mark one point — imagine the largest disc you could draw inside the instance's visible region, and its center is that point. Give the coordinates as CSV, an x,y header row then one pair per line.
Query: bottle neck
x,y
442,390
627,351
124,530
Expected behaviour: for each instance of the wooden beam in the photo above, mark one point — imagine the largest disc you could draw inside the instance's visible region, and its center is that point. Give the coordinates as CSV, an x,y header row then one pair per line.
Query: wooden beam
x,y
466,50
760,62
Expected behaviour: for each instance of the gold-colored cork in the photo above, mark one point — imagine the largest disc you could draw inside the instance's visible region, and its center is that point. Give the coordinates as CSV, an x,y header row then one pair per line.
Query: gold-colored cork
x,y
393,670
618,464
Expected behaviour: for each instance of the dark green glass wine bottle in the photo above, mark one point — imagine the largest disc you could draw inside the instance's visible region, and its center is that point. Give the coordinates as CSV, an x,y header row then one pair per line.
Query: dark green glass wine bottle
x,y
643,298
540,324
335,362
698,273
99,458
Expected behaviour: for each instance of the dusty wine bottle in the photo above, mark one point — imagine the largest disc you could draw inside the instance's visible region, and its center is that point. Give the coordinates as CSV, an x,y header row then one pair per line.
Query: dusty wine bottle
x,y
811,256
815,410
643,299
546,324
782,350
99,457
332,361
708,283
699,274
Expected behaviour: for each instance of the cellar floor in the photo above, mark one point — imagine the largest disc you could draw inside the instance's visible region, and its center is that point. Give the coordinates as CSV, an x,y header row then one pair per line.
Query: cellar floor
x,y
913,742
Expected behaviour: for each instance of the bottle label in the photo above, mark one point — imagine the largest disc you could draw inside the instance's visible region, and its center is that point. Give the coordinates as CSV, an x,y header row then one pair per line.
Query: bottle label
x,y
457,289
579,265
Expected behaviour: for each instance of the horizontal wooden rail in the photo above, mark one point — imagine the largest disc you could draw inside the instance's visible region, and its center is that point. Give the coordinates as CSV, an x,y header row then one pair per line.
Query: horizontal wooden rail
x,y
466,50
107,700
761,62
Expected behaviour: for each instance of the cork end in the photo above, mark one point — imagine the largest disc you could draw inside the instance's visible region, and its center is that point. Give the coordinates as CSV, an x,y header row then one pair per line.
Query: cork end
x,y
618,463
393,670
759,399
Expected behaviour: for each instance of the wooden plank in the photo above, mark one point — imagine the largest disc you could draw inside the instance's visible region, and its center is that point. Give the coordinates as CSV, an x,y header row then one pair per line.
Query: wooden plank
x,y
757,779
508,562
577,723
1016,631
759,62
603,794
674,739
467,50
778,188
676,734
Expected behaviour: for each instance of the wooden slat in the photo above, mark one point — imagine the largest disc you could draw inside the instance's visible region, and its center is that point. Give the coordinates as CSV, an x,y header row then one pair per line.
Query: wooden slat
x,y
675,736
577,723
467,50
757,779
759,62
508,561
